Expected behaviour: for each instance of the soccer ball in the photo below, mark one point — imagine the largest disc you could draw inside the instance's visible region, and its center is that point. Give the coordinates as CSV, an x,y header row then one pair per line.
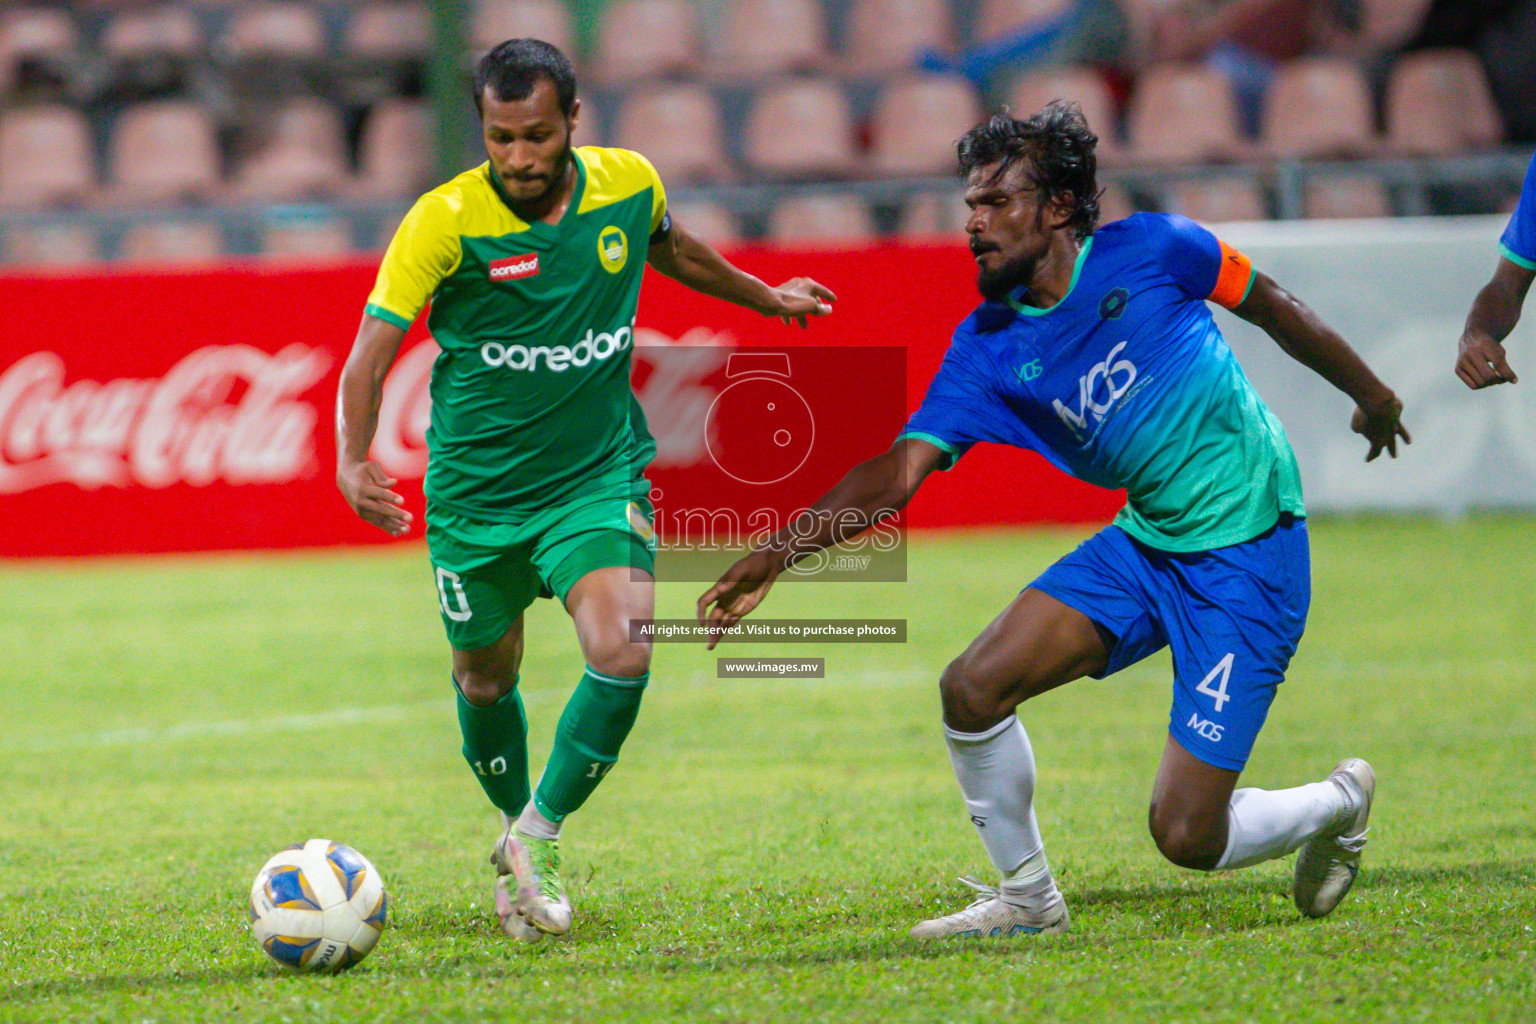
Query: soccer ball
x,y
318,906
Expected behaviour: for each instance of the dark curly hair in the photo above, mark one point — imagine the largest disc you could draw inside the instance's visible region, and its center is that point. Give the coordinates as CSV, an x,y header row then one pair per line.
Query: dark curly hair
x,y
1060,149
511,69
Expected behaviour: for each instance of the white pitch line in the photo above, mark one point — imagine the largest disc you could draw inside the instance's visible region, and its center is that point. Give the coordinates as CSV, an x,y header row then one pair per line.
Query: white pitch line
x,y
147,735
877,678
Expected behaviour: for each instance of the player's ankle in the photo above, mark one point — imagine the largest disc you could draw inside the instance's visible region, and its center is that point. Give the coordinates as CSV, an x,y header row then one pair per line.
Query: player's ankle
x,y
534,825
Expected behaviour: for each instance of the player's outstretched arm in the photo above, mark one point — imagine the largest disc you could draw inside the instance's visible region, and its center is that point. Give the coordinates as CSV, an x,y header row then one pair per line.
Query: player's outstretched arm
x,y
686,258
871,491
361,481
1480,360
1304,336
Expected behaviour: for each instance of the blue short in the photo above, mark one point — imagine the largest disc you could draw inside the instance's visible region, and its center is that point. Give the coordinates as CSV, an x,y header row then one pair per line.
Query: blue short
x,y
1232,617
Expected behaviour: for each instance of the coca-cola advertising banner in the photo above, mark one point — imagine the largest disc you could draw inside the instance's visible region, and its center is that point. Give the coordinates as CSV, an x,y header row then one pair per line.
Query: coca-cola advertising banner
x,y
150,412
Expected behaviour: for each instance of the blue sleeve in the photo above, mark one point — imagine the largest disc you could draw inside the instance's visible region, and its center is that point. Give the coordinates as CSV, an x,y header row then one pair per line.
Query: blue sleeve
x,y
960,408
1201,264
1518,243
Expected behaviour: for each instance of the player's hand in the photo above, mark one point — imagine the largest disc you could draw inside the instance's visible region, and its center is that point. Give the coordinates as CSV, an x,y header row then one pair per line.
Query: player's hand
x,y
800,297
741,589
1381,425
1480,362
367,489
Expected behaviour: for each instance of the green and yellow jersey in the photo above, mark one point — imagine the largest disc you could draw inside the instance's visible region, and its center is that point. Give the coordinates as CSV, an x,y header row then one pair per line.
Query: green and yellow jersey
x,y
531,400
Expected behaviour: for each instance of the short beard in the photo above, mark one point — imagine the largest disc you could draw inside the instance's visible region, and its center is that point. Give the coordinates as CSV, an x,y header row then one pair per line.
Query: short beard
x,y
532,209
995,285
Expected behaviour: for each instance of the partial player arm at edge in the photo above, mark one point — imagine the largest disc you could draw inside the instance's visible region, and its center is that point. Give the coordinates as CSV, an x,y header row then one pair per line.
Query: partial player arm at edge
x,y
1480,360
873,490
362,482
1307,339
688,259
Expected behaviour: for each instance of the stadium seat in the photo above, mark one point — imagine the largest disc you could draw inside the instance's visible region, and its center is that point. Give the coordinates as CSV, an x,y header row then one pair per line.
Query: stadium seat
x,y
1319,107
391,30
279,28
1386,25
885,36
802,128
306,239
1183,113
590,130
1217,200
47,157
1438,104
1032,91
934,217
163,30
1346,197
821,221
916,123
765,37
644,39
303,156
52,245
36,33
395,153
1000,17
678,128
1115,203
163,151
710,221
172,241
496,21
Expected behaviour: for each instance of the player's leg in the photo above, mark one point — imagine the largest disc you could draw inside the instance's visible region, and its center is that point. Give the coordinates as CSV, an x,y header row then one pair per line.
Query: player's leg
x,y
484,582
604,577
1081,617
1234,617
1035,645
491,718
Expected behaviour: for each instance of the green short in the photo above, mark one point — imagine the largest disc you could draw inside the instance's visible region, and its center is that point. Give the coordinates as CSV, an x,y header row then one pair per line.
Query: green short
x,y
488,573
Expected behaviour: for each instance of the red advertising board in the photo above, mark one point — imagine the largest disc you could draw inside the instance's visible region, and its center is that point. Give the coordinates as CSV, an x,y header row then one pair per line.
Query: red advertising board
x,y
150,411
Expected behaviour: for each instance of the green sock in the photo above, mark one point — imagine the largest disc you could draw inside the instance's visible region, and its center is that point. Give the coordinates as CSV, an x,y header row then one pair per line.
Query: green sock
x,y
592,728
496,747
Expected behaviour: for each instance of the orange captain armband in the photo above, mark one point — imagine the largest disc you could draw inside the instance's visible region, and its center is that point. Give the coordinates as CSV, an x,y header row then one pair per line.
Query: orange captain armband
x,y
1233,279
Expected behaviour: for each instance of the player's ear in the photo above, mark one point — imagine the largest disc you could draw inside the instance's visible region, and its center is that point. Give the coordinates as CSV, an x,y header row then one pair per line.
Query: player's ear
x,y
575,115
1060,210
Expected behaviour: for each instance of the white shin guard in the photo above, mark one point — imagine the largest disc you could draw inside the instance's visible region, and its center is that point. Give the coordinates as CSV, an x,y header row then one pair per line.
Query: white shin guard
x,y
996,770
1265,824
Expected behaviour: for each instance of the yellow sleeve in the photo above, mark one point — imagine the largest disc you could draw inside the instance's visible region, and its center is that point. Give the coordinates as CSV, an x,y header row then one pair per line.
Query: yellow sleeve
x,y
425,250
658,195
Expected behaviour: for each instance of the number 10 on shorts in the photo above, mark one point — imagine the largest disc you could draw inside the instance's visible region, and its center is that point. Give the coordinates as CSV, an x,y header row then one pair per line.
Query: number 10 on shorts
x,y
456,604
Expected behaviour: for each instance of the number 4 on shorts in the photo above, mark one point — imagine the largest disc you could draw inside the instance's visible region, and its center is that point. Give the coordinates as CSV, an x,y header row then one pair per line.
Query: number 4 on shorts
x,y
1221,673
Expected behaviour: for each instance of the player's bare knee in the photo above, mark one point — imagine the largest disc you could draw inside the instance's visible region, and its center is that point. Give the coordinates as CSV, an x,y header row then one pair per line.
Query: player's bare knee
x,y
1184,842
971,703
481,688
617,656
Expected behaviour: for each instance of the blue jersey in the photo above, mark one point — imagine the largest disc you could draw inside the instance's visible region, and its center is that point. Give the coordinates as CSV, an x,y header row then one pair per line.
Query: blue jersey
x,y
1518,243
1127,383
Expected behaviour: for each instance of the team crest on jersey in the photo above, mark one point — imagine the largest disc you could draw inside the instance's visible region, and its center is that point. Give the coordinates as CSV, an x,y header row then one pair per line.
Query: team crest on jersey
x,y
612,249
1113,304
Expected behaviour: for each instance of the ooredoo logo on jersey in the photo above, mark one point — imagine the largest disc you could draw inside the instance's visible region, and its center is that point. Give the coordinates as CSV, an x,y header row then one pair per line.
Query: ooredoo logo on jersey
x,y
514,268
592,348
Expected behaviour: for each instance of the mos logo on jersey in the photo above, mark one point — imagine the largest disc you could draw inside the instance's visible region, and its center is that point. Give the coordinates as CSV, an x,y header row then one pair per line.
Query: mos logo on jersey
x,y
612,249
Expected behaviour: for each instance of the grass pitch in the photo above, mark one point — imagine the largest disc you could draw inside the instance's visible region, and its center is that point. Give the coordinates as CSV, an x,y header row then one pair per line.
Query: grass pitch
x,y
764,845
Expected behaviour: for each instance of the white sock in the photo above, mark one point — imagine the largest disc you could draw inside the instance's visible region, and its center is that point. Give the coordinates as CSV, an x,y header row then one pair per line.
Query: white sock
x,y
534,825
996,770
1264,824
